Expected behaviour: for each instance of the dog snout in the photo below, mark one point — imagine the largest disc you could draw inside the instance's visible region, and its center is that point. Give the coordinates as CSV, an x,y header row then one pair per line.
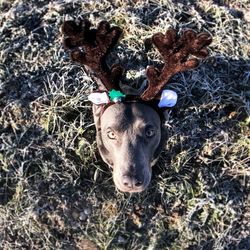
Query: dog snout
x,y
130,181
132,177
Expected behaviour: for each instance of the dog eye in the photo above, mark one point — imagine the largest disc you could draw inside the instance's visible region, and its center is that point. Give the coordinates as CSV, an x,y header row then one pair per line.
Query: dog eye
x,y
150,132
111,135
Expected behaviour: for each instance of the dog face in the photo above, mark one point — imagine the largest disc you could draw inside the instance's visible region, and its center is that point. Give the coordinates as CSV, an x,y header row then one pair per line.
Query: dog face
x,y
130,137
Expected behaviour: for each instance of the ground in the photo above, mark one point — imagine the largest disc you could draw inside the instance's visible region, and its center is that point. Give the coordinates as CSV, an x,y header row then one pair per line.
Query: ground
x,y
55,191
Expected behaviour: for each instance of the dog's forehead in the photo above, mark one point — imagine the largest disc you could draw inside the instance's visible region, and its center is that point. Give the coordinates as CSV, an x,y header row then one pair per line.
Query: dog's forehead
x,y
127,114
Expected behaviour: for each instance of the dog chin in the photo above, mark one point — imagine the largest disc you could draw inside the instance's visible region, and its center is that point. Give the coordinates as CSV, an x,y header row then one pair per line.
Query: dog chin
x,y
124,189
133,190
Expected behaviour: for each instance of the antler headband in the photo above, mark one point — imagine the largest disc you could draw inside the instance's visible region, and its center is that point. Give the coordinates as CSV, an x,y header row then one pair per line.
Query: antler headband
x,y
89,48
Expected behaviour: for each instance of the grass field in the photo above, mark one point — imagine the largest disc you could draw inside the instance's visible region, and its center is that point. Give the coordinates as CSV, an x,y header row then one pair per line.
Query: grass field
x,y
55,191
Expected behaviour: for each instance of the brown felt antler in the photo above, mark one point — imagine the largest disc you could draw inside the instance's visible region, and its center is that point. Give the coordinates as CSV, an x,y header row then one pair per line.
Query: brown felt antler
x,y
89,48
175,52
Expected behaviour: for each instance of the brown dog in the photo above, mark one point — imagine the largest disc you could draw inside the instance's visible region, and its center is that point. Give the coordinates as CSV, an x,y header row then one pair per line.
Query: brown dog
x,y
130,128
130,137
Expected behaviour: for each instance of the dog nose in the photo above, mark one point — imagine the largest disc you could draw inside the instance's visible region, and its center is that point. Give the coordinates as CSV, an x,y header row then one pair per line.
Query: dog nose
x,y
131,181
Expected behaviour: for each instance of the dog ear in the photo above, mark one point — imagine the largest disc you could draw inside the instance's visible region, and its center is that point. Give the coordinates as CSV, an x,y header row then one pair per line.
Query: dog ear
x,y
97,112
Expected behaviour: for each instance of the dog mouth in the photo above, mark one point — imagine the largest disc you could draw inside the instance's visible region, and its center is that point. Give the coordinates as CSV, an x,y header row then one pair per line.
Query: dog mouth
x,y
131,190
130,184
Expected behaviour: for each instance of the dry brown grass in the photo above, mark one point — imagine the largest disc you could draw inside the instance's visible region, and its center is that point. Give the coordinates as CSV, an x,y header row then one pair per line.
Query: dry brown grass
x,y
56,193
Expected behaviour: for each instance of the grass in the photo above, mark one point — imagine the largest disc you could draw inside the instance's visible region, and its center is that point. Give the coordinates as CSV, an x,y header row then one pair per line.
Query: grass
x,y
55,191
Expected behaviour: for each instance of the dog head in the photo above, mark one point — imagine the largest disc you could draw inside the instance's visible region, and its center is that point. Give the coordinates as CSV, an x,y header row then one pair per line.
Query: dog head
x,y
130,131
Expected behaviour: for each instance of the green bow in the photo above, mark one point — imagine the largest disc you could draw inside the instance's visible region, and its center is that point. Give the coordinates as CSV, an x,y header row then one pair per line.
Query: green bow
x,y
116,95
